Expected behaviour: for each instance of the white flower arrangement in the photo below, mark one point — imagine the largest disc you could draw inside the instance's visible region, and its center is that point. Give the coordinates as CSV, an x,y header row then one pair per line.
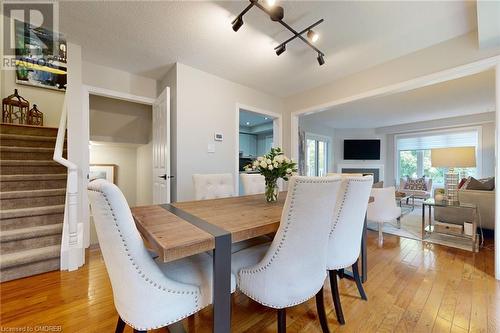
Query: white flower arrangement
x,y
273,166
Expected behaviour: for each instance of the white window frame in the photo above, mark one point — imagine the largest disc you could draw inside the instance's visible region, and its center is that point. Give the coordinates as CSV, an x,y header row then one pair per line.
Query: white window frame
x,y
324,138
479,150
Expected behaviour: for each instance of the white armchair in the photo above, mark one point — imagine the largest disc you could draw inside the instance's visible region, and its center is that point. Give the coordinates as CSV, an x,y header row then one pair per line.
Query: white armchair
x,y
346,234
253,183
147,294
292,268
213,186
383,209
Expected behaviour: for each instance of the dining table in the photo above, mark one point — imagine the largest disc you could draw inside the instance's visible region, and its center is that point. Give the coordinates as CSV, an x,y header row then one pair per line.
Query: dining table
x,y
183,229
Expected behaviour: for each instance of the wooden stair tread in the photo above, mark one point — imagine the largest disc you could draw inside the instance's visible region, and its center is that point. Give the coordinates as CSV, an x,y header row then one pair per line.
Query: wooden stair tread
x,y
32,211
23,137
31,232
29,162
27,149
29,256
47,176
32,193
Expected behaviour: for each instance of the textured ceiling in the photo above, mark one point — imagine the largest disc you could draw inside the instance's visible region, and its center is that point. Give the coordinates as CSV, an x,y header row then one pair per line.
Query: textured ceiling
x,y
469,95
146,38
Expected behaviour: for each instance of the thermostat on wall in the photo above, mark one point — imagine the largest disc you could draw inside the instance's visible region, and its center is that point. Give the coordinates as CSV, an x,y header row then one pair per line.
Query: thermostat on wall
x,y
218,137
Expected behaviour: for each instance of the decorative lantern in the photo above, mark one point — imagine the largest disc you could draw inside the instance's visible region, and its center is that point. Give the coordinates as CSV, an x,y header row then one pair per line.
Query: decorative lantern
x,y
15,108
35,116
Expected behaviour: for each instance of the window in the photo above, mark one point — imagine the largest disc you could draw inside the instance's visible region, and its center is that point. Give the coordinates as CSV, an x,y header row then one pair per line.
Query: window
x,y
414,153
316,155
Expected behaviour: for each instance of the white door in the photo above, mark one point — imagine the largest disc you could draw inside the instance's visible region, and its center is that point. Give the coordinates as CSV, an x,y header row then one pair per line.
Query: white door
x,y
161,148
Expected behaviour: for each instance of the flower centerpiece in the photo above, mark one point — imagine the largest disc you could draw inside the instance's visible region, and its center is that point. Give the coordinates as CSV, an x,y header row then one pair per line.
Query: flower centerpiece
x,y
273,166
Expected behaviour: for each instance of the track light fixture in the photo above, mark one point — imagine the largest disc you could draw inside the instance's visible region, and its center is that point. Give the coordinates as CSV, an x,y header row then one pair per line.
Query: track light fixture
x,y
277,13
321,59
312,36
281,49
237,23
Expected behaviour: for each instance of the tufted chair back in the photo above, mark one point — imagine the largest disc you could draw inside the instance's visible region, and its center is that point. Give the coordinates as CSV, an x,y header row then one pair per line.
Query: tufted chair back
x,y
253,183
213,186
347,228
294,268
144,297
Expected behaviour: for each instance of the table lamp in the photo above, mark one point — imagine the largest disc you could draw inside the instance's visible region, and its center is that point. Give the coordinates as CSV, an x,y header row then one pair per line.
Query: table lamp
x,y
454,157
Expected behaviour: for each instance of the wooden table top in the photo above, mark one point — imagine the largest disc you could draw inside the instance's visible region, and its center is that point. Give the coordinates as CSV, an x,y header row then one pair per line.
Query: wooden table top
x,y
174,238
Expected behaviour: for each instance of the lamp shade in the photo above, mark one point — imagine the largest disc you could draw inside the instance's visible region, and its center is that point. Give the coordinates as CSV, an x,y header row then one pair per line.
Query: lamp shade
x,y
455,157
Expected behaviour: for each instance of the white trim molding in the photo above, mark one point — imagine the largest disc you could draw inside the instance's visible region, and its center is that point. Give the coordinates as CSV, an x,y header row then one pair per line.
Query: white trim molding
x,y
497,173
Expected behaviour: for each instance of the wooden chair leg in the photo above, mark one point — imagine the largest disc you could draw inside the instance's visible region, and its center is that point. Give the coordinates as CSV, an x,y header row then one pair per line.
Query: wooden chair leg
x,y
336,297
282,320
120,325
320,306
355,274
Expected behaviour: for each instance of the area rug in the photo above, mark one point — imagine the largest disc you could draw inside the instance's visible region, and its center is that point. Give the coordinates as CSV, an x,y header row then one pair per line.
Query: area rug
x,y
411,227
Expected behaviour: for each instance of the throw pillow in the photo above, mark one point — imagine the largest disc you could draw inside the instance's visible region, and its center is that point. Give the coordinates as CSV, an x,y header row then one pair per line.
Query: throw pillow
x,y
462,182
485,184
418,184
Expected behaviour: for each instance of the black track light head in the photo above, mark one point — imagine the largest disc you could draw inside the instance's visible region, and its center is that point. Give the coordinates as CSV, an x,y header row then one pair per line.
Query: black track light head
x,y
281,49
237,23
321,59
277,13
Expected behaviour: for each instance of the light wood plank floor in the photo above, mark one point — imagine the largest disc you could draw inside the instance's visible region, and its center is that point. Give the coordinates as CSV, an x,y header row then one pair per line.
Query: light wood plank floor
x,y
411,288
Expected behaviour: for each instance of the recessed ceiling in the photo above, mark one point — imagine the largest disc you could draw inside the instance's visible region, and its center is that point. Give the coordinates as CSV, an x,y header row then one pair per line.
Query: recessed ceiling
x,y
465,96
248,118
147,38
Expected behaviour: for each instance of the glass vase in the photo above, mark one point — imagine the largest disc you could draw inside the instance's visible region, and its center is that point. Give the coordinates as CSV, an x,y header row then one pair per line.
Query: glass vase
x,y
272,190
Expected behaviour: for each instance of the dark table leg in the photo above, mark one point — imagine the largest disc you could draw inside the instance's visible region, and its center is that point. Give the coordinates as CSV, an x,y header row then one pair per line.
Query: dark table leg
x,y
221,268
222,284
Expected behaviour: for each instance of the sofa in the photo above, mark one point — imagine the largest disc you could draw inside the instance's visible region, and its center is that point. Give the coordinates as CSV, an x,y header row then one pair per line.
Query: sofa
x,y
419,194
485,201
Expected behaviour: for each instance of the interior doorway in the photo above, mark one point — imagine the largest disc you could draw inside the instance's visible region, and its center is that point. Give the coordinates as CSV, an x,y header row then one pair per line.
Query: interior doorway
x,y
258,132
120,148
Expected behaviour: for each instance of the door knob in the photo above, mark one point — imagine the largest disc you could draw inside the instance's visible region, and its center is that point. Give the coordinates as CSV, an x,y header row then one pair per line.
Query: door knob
x,y
163,177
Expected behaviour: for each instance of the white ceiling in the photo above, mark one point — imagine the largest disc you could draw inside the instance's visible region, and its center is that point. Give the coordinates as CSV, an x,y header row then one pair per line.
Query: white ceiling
x,y
248,118
146,38
469,95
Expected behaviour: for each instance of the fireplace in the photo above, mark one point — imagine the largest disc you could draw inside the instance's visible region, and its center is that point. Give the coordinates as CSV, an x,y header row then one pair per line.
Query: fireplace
x,y
376,171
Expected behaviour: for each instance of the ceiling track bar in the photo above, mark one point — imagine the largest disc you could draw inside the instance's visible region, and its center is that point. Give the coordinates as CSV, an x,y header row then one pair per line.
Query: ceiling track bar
x,y
244,11
300,33
292,30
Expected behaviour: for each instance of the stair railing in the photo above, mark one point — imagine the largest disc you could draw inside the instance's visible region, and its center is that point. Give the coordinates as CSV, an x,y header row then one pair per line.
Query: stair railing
x,y
72,252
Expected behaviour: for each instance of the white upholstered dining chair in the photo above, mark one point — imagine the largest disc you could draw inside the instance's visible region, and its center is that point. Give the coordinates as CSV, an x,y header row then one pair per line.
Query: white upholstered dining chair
x,y
253,183
383,209
292,268
346,233
147,294
213,186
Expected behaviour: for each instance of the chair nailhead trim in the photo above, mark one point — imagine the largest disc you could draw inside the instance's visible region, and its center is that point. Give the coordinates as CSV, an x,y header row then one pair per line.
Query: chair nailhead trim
x,y
281,244
139,271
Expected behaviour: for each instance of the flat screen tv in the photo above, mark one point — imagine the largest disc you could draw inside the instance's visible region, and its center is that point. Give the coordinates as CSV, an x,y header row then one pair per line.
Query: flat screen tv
x,y
361,149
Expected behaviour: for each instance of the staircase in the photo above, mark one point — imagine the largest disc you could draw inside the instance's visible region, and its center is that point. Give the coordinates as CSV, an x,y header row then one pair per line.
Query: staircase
x,y
32,197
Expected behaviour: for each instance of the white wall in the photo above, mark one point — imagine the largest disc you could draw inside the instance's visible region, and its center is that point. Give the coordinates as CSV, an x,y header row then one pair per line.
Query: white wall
x,y
144,175
358,133
207,104
117,80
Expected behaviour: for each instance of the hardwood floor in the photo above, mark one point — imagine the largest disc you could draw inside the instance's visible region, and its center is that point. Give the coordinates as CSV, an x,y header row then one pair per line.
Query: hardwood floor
x,y
411,287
